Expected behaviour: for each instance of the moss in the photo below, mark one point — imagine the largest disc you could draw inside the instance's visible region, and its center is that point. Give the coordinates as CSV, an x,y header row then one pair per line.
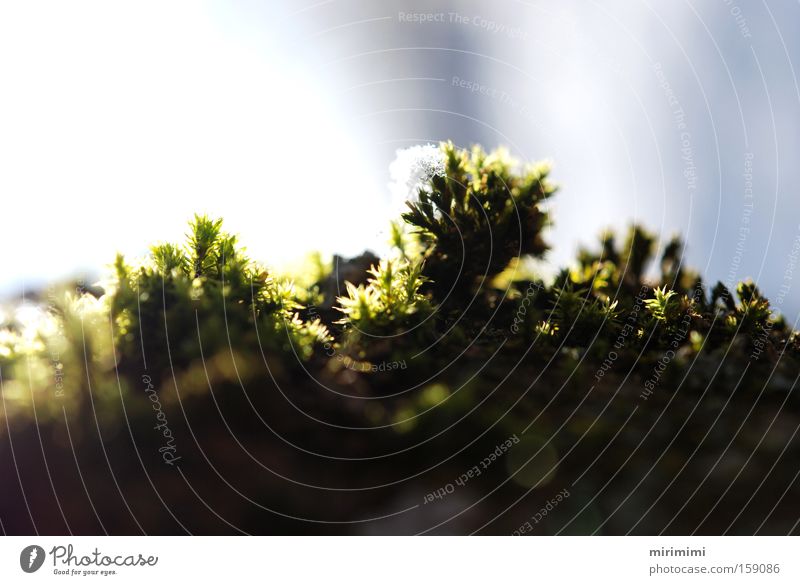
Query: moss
x,y
467,230
453,329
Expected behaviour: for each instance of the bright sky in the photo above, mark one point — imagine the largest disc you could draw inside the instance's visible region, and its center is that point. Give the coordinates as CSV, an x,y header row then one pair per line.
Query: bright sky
x,y
119,120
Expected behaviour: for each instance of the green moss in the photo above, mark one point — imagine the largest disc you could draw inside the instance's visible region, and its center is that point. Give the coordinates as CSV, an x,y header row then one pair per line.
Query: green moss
x,y
451,289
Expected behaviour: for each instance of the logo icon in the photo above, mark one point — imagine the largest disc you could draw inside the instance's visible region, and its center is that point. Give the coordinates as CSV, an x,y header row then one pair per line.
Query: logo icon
x,y
31,558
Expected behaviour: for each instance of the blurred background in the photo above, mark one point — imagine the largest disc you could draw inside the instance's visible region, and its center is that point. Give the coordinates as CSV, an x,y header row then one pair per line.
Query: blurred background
x,y
119,120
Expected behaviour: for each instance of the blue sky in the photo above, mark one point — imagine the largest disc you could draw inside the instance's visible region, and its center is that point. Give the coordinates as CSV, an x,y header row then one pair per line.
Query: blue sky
x,y
120,121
